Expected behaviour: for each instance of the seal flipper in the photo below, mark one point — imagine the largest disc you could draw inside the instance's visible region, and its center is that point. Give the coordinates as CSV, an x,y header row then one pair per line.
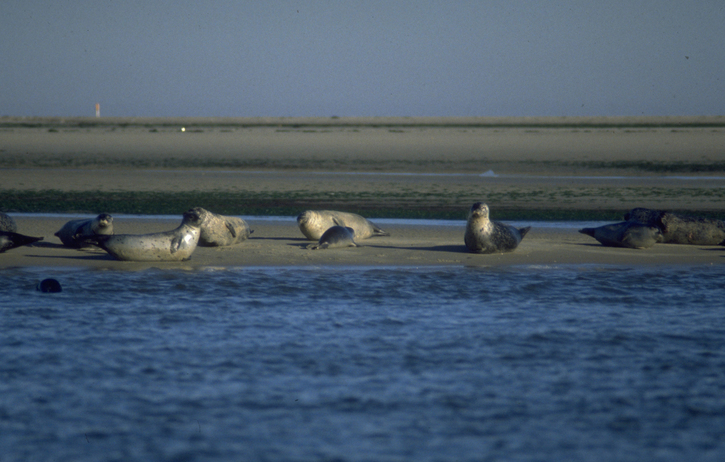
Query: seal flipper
x,y
377,231
231,229
175,244
588,231
523,231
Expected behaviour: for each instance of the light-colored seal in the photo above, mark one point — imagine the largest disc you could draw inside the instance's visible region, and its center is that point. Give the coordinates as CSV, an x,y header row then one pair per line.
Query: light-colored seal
x,y
75,232
336,236
174,245
313,223
681,229
10,240
628,234
219,230
7,223
486,236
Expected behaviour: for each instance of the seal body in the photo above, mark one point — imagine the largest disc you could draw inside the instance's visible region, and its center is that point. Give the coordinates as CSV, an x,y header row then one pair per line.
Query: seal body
x,y
7,223
219,230
174,245
76,232
313,223
681,229
336,236
486,236
10,240
628,234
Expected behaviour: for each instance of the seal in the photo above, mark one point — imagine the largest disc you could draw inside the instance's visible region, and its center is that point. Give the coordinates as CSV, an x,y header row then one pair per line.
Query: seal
x,y
313,223
175,245
76,232
681,229
7,223
10,240
220,230
486,236
336,236
49,285
628,234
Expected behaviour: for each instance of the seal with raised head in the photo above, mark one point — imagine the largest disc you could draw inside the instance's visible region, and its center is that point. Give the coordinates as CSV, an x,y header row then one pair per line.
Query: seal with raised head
x,y
486,236
175,245
313,223
219,230
628,234
681,229
7,223
335,236
76,232
10,240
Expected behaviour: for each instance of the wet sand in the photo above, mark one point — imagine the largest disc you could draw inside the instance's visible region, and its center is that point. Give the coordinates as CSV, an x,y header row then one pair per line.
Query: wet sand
x,y
612,164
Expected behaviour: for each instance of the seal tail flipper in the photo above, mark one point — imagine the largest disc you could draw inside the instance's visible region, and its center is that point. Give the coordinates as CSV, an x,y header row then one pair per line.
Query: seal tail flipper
x,y
588,231
523,231
377,231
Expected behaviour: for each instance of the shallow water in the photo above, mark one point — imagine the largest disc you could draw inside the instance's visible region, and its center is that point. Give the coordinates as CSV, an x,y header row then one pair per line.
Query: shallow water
x,y
523,363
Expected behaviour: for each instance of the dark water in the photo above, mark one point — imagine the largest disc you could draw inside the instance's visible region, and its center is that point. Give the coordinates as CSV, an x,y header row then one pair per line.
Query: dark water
x,y
526,363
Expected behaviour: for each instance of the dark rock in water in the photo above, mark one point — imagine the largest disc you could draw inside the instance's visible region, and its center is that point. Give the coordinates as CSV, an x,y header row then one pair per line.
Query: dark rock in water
x,y
681,229
49,285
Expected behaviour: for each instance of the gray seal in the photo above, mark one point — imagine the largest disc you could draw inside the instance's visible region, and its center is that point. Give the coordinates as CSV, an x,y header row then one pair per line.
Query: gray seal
x,y
219,230
486,236
175,245
76,232
313,223
336,236
628,234
10,240
681,229
7,223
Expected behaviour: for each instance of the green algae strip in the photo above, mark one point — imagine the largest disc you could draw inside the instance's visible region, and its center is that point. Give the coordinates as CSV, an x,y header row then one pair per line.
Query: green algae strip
x,y
173,203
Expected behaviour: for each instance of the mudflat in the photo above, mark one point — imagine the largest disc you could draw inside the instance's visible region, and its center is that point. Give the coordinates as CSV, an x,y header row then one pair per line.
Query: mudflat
x,y
525,169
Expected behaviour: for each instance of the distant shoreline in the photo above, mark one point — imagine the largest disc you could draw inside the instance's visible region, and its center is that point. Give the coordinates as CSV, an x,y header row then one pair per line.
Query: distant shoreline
x,y
333,121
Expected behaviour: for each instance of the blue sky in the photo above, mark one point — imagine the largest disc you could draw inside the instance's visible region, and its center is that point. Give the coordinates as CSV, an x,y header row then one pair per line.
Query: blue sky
x,y
362,58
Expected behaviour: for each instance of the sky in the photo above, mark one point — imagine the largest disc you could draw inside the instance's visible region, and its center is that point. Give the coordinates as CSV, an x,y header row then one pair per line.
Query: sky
x,y
266,58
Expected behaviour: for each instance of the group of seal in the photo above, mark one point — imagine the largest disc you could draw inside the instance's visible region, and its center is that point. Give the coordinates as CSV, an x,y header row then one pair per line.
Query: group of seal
x,y
199,227
643,228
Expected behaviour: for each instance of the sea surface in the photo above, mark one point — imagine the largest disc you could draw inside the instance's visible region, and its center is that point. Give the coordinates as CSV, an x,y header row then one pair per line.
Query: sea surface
x,y
529,363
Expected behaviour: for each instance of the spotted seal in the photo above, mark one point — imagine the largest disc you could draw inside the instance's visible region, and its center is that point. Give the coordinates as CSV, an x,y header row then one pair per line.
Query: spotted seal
x,y
175,245
335,236
76,232
628,234
486,236
10,240
681,229
220,230
313,223
7,223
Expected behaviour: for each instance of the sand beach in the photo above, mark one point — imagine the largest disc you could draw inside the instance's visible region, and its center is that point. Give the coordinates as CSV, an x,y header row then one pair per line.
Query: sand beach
x,y
528,170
